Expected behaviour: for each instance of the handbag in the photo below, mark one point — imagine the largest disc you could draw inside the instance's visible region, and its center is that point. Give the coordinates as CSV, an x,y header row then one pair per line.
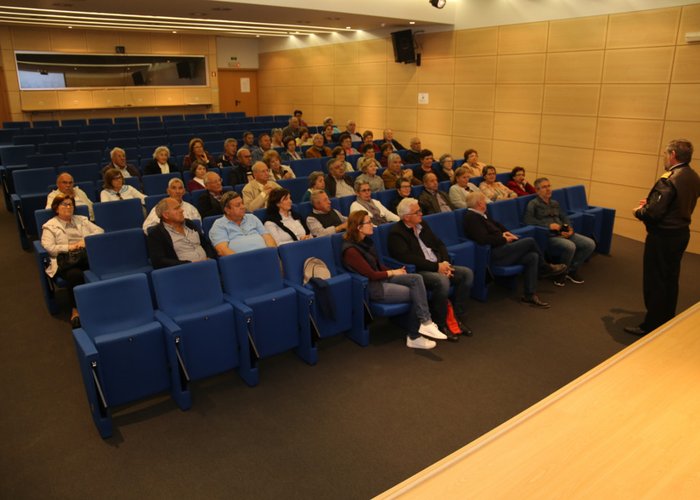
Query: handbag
x,y
72,259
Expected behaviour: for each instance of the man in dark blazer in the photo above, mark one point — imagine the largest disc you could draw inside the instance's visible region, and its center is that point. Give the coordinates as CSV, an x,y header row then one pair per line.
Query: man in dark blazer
x,y
118,161
432,200
412,241
176,240
210,202
508,249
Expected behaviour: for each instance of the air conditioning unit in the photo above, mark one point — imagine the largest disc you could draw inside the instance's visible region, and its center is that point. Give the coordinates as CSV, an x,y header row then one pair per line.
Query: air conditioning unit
x,y
692,37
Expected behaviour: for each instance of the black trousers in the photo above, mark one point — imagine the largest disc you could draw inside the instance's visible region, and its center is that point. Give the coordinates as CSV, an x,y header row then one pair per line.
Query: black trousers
x,y
663,251
73,276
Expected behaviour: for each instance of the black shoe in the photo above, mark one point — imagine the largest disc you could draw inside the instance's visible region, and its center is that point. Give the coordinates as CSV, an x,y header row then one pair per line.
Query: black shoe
x,y
466,331
451,337
553,270
75,322
534,301
635,330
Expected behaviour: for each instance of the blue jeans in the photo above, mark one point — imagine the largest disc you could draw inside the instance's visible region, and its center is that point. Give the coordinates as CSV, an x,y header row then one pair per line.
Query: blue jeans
x,y
408,288
571,251
439,285
526,253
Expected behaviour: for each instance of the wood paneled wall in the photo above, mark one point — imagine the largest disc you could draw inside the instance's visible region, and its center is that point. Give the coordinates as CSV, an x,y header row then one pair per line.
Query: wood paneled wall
x,y
582,101
106,102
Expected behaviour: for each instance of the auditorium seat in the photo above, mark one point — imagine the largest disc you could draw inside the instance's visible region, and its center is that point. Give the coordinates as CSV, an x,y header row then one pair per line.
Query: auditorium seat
x,y
117,253
118,215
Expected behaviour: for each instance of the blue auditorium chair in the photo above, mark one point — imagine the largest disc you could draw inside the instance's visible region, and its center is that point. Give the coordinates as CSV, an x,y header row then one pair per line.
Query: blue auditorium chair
x,y
31,188
45,160
80,122
200,328
600,220
346,294
296,187
115,254
303,168
158,184
253,285
120,347
82,157
117,215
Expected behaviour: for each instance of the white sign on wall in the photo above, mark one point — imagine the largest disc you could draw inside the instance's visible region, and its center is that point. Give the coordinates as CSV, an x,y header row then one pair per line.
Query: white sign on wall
x,y
245,85
423,98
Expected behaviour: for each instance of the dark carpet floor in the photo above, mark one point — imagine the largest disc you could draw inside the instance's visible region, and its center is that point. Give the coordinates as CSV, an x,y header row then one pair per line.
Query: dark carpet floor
x,y
359,422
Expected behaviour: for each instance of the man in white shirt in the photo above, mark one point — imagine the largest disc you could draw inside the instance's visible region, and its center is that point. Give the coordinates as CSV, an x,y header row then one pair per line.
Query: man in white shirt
x,y
256,192
176,190
66,185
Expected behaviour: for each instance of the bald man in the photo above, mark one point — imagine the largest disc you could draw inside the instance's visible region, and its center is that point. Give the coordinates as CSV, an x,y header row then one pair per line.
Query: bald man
x,y
66,185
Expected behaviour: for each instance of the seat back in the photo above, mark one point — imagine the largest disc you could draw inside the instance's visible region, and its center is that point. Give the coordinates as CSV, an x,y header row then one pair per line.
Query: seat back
x,y
93,156
82,172
114,305
522,202
576,198
33,180
41,217
386,197
560,196
201,279
296,187
443,225
505,212
250,274
293,257
118,215
344,203
303,168
158,184
15,155
45,160
117,252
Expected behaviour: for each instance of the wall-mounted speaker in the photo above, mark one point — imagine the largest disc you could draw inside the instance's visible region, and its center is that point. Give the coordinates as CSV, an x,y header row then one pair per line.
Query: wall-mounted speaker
x,y
403,46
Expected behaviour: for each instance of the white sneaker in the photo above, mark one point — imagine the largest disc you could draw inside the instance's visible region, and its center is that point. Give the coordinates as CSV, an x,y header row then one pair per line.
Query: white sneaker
x,y
420,343
431,330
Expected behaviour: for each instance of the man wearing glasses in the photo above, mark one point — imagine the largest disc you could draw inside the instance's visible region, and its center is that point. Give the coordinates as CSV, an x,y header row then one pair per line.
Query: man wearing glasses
x,y
413,242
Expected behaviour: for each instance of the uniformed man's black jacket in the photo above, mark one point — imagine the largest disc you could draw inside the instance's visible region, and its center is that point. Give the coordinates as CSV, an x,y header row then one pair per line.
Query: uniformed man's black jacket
x,y
671,201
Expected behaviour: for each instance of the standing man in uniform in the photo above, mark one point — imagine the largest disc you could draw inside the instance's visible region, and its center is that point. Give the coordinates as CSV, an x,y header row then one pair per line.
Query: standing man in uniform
x,y
666,213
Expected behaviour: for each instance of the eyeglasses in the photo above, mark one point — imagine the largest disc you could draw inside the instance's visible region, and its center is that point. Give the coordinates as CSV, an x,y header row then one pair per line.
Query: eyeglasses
x,y
366,190
365,222
66,204
417,212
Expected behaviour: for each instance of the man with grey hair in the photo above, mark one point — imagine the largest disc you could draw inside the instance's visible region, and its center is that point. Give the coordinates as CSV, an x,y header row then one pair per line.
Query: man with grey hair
x,y
413,154
389,137
351,130
508,249
393,172
256,192
228,158
238,231
175,190
413,242
210,202
175,239
432,200
242,171
291,130
324,219
66,185
118,157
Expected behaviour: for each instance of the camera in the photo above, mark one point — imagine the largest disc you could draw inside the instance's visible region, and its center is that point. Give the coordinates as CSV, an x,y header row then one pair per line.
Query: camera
x,y
564,228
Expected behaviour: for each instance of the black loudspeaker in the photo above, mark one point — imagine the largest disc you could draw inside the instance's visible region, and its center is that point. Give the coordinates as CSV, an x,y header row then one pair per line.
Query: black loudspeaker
x,y
138,78
403,46
184,70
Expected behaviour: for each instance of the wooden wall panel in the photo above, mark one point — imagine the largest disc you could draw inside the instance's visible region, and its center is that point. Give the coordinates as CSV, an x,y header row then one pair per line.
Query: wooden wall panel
x,y
576,131
475,97
437,45
684,102
574,67
367,51
405,96
75,99
624,169
403,74
507,154
440,96
519,98
682,130
522,38
483,146
473,124
635,136
643,29
111,98
686,68
574,163
39,100
571,99
476,42
638,65
690,22
68,40
437,71
517,127
633,101
476,69
586,33
527,68
434,121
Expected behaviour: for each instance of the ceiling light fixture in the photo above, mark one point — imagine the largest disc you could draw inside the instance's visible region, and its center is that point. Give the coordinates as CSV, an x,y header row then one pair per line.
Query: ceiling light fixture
x,y
438,4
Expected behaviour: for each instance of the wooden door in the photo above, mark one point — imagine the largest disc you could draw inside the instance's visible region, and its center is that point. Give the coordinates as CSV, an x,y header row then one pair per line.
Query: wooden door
x,y
238,91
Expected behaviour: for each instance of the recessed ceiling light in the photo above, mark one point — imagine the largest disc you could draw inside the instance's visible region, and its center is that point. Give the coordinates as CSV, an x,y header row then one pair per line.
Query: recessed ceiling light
x,y
70,27
411,22
173,31
348,27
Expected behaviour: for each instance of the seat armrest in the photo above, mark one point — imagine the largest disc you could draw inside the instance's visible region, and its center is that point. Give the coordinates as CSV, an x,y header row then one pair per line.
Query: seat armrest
x,y
90,277
169,326
86,347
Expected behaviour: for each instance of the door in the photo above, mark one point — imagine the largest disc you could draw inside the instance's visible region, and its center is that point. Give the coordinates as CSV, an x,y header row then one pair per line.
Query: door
x,y
238,91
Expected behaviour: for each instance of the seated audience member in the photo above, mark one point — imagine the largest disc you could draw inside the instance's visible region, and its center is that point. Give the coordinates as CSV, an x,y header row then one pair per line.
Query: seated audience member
x,y
369,175
228,158
345,142
508,249
425,165
494,190
403,190
368,139
176,191
283,223
257,191
329,121
160,163
412,241
248,141
351,130
292,129
432,200
388,285
389,138
276,136
368,156
264,145
471,161
338,183
394,172
339,153
377,212
115,189
65,185
324,219
277,170
197,152
175,239
290,153
63,237
317,149
446,171
385,150
328,137
461,188
242,172
298,114
317,181
304,138
571,248
210,202
199,170
518,184
413,154
238,231
118,157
